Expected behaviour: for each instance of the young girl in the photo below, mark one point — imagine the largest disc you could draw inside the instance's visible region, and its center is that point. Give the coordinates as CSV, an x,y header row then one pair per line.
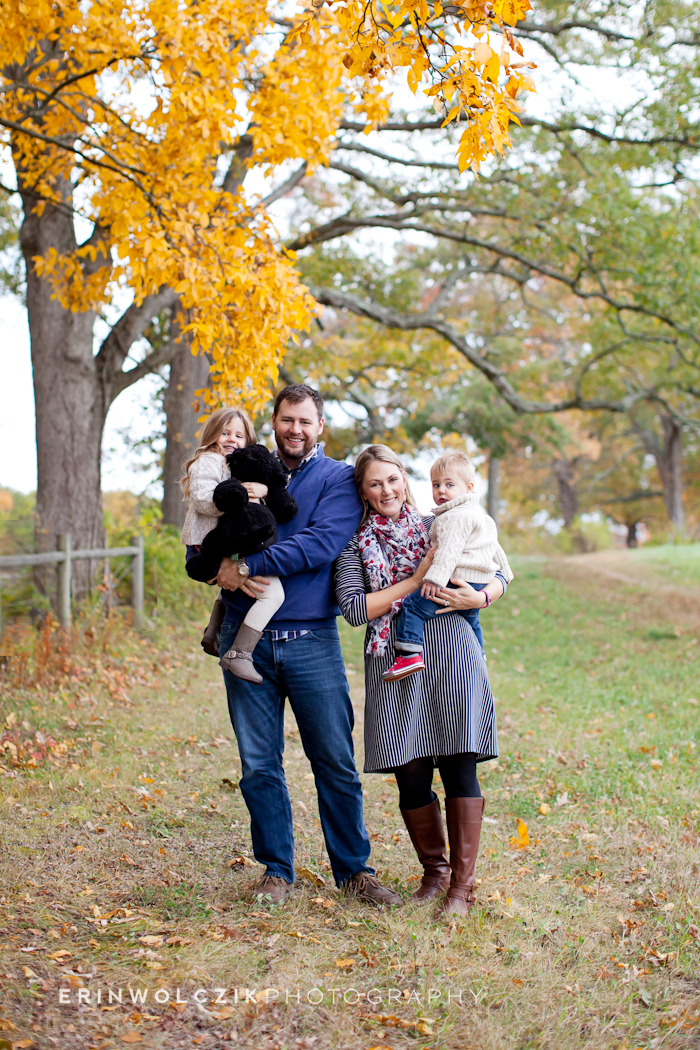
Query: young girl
x,y
225,430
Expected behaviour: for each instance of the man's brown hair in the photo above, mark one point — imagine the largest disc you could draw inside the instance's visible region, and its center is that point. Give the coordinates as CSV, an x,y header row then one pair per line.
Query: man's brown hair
x,y
295,393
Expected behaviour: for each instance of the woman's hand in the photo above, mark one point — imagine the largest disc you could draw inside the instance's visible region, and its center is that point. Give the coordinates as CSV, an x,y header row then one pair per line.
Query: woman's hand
x,y
463,596
255,489
420,572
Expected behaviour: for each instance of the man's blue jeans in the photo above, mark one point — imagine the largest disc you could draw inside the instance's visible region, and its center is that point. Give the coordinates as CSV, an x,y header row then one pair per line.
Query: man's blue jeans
x,y
416,611
310,672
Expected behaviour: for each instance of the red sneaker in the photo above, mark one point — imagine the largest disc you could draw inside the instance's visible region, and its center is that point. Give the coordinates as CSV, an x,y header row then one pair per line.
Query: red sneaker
x,y
404,666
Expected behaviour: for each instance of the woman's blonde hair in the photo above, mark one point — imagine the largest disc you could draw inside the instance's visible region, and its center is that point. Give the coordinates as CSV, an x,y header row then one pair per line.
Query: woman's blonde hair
x,y
370,455
210,434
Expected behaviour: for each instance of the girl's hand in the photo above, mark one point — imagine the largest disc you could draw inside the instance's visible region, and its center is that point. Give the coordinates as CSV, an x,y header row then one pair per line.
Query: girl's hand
x,y
429,590
462,597
255,489
423,567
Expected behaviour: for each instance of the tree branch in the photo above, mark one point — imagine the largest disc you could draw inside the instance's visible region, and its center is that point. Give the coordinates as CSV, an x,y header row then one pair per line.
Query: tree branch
x,y
293,180
411,322
115,347
346,224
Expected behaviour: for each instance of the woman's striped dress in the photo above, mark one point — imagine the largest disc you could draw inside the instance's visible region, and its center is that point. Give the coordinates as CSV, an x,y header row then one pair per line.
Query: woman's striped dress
x,y
446,709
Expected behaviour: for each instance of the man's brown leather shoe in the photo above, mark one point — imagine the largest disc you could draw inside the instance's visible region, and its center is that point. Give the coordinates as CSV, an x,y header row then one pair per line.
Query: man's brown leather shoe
x,y
271,889
367,887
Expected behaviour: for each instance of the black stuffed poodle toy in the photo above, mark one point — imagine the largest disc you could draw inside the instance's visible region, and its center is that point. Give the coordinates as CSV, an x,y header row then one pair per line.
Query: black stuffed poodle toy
x,y
245,527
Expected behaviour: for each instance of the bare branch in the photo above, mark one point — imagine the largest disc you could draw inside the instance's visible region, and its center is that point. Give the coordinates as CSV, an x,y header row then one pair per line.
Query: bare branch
x,y
356,147
293,180
115,347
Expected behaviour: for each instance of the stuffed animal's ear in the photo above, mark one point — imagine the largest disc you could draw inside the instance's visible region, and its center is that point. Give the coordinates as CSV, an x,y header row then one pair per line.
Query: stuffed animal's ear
x,y
230,496
250,463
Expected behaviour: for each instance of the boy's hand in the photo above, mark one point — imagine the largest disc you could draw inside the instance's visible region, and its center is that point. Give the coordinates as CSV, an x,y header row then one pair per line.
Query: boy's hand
x,y
429,590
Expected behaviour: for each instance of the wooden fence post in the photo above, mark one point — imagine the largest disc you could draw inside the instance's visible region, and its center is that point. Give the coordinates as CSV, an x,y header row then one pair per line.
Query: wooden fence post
x,y
64,581
137,583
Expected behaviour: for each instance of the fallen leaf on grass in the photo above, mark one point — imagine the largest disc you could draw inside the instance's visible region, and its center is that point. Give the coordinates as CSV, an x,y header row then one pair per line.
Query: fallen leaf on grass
x,y
223,1015
342,963
392,1021
7,1026
523,837
240,862
23,1043
60,954
176,939
311,876
131,1037
228,785
29,974
153,939
323,902
544,809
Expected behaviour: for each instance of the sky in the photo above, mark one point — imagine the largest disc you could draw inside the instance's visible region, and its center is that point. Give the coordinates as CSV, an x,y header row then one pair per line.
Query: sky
x,y
132,412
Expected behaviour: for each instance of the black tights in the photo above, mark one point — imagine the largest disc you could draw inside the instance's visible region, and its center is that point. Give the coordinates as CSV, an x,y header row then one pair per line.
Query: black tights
x,y
458,773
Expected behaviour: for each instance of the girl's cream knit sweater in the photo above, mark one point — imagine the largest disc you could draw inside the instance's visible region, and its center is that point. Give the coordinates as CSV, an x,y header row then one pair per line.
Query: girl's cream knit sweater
x,y
467,544
202,514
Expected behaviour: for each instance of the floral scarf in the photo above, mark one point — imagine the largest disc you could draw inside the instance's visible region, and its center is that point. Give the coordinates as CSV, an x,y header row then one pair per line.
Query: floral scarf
x,y
391,551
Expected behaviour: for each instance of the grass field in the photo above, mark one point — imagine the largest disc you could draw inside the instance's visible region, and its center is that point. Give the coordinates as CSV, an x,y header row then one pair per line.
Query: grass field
x,y
125,849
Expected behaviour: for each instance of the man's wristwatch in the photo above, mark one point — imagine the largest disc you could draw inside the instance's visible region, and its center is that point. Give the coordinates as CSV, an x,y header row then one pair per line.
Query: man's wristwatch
x,y
243,569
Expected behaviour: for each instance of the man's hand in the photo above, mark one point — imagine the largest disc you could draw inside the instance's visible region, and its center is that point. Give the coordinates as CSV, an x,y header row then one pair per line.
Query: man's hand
x,y
429,590
231,580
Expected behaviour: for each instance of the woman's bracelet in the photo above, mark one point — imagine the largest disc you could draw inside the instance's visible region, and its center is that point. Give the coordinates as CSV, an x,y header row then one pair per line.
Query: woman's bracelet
x,y
488,600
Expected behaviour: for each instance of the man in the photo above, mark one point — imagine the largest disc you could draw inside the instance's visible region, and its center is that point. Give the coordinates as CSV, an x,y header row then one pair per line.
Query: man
x,y
299,658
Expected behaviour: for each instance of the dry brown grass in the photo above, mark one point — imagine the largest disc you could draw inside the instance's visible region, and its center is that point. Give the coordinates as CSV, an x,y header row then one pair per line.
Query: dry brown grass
x,y
126,853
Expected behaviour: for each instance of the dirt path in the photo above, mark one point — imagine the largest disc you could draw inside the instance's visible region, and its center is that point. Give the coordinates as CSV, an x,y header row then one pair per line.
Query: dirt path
x,y
640,586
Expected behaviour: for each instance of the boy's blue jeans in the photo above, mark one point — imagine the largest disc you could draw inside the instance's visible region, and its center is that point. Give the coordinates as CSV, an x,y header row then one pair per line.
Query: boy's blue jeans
x,y
416,611
309,672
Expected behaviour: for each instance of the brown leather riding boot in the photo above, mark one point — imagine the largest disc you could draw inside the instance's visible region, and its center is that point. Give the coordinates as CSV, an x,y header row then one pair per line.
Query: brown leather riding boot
x,y
464,817
427,833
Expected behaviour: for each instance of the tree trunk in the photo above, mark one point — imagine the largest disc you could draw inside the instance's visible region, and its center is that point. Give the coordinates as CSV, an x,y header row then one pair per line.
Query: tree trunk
x,y
563,470
668,455
492,500
182,408
70,401
671,472
632,536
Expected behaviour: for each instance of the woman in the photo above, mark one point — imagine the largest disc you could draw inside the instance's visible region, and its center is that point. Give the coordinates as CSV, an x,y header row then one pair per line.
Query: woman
x,y
443,716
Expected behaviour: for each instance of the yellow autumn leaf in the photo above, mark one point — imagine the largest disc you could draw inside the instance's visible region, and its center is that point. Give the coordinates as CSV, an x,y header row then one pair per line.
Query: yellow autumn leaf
x,y
523,836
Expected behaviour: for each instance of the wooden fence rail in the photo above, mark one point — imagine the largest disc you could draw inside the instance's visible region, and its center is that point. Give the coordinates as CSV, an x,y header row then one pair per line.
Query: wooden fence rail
x,y
64,558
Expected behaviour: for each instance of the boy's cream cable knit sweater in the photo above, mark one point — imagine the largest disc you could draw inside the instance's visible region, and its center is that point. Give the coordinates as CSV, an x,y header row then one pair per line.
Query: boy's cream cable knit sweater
x,y
202,514
467,544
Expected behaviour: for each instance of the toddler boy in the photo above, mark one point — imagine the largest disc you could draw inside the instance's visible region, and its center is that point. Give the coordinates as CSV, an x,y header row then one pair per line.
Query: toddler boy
x,y
467,549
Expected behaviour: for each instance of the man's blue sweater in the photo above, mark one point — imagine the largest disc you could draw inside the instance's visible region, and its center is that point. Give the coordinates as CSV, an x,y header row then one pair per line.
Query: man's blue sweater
x,y
330,509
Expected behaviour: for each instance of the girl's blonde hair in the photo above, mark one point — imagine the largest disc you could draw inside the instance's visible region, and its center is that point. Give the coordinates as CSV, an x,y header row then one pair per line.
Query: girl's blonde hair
x,y
210,434
372,454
